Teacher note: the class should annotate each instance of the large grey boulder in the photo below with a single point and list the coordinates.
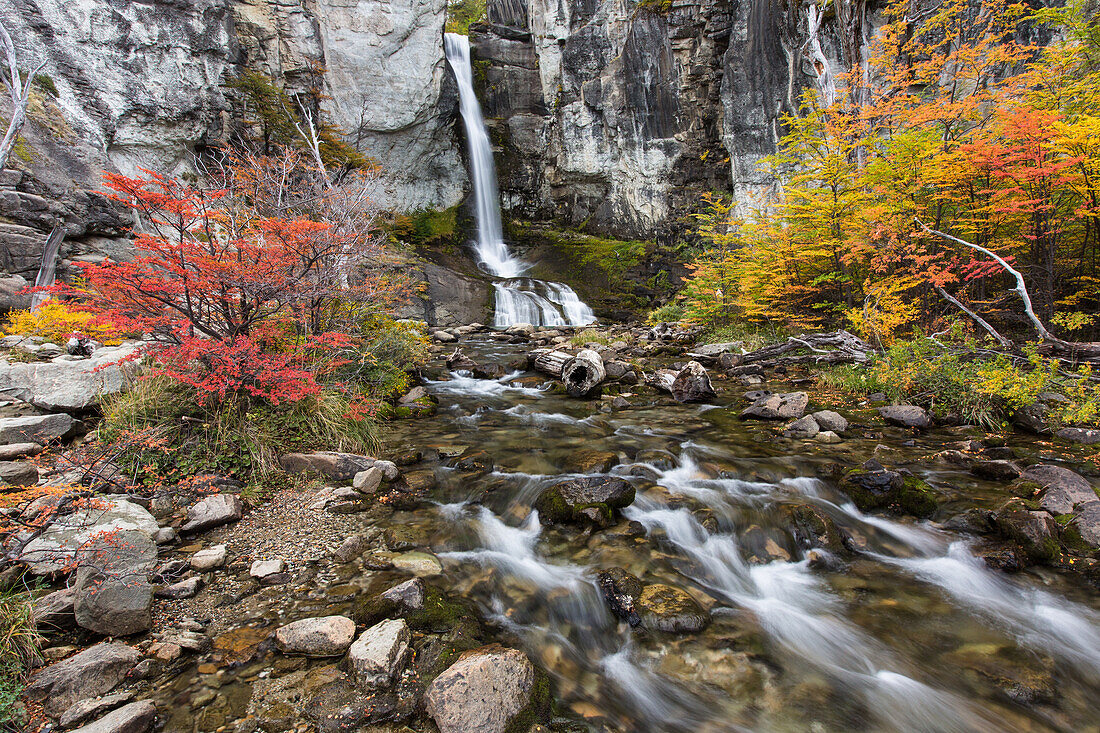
(90, 673)
(18, 473)
(67, 383)
(829, 420)
(93, 706)
(137, 717)
(113, 594)
(333, 465)
(1087, 523)
(35, 428)
(328, 636)
(1063, 490)
(380, 652)
(787, 406)
(906, 416)
(483, 692)
(692, 384)
(56, 548)
(213, 511)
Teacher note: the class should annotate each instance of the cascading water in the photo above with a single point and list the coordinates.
(518, 299)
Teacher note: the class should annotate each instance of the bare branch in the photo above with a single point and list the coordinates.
(980, 321)
(20, 96)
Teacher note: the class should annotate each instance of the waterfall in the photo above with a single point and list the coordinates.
(518, 299)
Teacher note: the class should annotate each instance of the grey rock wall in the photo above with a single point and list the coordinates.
(617, 118)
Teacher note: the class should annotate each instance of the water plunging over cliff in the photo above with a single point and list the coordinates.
(518, 299)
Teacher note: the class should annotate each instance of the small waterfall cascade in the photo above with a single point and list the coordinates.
(517, 299)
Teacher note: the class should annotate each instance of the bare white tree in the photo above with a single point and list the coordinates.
(20, 95)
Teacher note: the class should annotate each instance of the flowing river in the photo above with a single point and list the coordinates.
(914, 634)
(903, 629)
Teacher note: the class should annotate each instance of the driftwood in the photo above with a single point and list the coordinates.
(837, 347)
(583, 373)
(549, 361)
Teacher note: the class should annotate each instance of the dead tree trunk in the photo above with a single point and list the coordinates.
(583, 373)
(549, 361)
(20, 95)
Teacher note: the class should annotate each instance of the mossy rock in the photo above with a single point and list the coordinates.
(1033, 532)
(917, 498)
(815, 528)
(588, 500)
(872, 489)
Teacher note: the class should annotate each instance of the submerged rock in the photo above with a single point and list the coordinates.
(620, 591)
(485, 691)
(664, 608)
(588, 500)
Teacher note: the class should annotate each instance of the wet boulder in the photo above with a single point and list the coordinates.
(1033, 532)
(620, 591)
(475, 460)
(586, 500)
(813, 527)
(1086, 524)
(789, 406)
(873, 487)
(1084, 436)
(999, 470)
(487, 690)
(906, 416)
(379, 654)
(692, 384)
(804, 427)
(668, 609)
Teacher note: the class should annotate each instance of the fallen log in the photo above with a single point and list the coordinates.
(549, 361)
(583, 373)
(818, 344)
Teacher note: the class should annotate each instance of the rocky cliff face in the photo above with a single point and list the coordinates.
(615, 116)
(144, 83)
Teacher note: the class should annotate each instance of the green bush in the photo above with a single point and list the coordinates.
(668, 313)
(19, 648)
(461, 14)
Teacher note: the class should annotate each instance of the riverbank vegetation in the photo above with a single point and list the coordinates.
(946, 184)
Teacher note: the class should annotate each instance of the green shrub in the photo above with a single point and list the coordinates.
(668, 313)
(461, 14)
(19, 648)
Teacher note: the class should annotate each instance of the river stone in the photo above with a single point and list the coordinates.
(213, 511)
(367, 482)
(85, 709)
(828, 437)
(1087, 522)
(571, 500)
(620, 591)
(389, 469)
(55, 549)
(664, 608)
(336, 466)
(379, 654)
(209, 558)
(1062, 489)
(90, 673)
(803, 427)
(475, 460)
(1084, 436)
(408, 596)
(483, 692)
(829, 420)
(692, 384)
(351, 548)
(35, 428)
(137, 717)
(906, 416)
(113, 594)
(327, 636)
(261, 570)
(787, 406)
(716, 349)
(420, 564)
(186, 588)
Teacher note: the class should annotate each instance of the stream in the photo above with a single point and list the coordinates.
(908, 632)
(901, 638)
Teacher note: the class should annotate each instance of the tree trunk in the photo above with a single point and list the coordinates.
(583, 373)
(549, 361)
